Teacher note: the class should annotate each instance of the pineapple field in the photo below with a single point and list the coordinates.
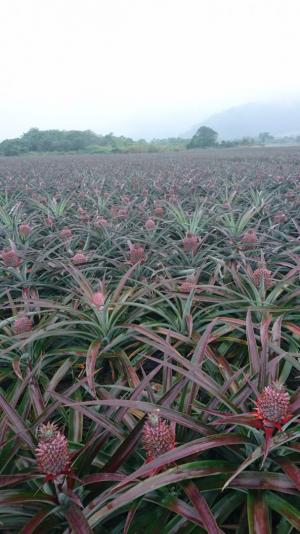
(150, 343)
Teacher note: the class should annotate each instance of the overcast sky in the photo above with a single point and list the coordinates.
(141, 67)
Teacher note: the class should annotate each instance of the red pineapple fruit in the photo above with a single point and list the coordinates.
(83, 214)
(262, 274)
(114, 210)
(22, 324)
(10, 258)
(98, 299)
(49, 221)
(250, 239)
(52, 453)
(123, 213)
(79, 258)
(66, 233)
(272, 410)
(159, 211)
(190, 242)
(24, 229)
(101, 221)
(272, 406)
(158, 436)
(136, 254)
(150, 224)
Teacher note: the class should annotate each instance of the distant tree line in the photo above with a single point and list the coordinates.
(206, 137)
(42, 141)
(73, 141)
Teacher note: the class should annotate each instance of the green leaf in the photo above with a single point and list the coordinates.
(284, 508)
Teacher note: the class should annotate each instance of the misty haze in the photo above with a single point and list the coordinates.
(149, 266)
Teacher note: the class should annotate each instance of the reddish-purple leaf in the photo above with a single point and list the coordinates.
(194, 374)
(16, 422)
(22, 498)
(122, 283)
(202, 508)
(132, 375)
(189, 324)
(138, 490)
(189, 449)
(295, 405)
(10, 480)
(197, 359)
(57, 377)
(258, 514)
(51, 408)
(138, 391)
(147, 407)
(292, 471)
(125, 450)
(130, 516)
(245, 419)
(199, 352)
(16, 367)
(36, 397)
(83, 458)
(256, 454)
(35, 522)
(76, 520)
(252, 346)
(127, 447)
(96, 478)
(262, 480)
(180, 507)
(99, 419)
(264, 338)
(295, 329)
(90, 365)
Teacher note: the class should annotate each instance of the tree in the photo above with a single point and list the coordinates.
(12, 147)
(265, 138)
(203, 138)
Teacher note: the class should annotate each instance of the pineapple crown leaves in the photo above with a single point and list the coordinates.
(48, 431)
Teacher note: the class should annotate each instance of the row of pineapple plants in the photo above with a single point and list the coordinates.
(150, 345)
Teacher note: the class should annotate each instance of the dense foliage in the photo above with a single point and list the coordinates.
(37, 141)
(40, 141)
(150, 335)
(205, 137)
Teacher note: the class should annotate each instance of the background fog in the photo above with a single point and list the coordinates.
(142, 68)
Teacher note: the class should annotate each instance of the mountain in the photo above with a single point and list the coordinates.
(279, 118)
